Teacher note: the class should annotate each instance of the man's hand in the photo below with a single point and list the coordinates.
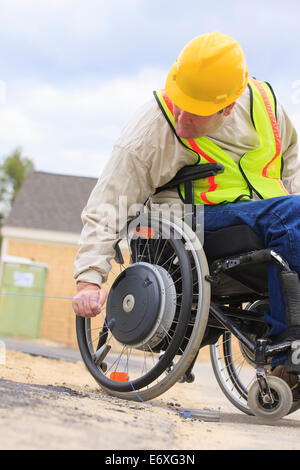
(88, 300)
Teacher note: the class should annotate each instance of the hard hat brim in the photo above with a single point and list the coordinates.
(191, 105)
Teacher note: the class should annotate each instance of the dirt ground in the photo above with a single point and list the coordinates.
(54, 404)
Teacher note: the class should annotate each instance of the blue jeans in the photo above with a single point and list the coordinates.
(277, 222)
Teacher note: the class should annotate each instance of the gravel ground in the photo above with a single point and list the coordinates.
(55, 404)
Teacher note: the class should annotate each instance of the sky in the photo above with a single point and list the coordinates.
(73, 72)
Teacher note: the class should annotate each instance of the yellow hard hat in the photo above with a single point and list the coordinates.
(209, 74)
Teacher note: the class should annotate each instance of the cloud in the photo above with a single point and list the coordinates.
(63, 40)
(53, 26)
(56, 125)
(18, 127)
(76, 71)
(72, 129)
(74, 158)
(118, 95)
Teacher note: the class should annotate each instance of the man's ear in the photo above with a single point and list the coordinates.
(229, 109)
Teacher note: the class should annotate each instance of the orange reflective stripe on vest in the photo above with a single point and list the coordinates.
(193, 145)
(275, 131)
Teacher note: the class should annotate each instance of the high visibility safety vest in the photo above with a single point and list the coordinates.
(257, 171)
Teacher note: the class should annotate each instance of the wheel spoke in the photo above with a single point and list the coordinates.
(144, 364)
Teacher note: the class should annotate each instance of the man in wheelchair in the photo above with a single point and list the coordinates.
(220, 141)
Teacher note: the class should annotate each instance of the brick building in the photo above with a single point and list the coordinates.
(44, 225)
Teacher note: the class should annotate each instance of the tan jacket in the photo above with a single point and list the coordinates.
(148, 155)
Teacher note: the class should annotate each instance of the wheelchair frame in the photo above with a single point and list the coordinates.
(262, 350)
(223, 317)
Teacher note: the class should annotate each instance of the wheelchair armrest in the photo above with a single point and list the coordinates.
(192, 173)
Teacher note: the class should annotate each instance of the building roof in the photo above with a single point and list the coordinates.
(48, 201)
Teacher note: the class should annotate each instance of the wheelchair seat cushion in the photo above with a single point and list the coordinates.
(231, 241)
(240, 280)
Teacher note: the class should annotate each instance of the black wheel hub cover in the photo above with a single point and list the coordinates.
(133, 304)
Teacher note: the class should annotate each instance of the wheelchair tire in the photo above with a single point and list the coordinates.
(226, 374)
(226, 370)
(282, 396)
(295, 406)
(179, 348)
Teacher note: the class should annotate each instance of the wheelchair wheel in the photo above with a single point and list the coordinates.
(155, 315)
(282, 400)
(233, 364)
(295, 407)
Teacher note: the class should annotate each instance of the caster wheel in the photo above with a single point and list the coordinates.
(181, 380)
(296, 403)
(281, 405)
(190, 378)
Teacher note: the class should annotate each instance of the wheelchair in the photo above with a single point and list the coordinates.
(171, 295)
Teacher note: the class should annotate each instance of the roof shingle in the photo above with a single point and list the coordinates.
(48, 201)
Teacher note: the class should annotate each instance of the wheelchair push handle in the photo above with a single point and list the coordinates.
(192, 173)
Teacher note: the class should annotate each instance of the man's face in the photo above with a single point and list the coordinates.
(192, 126)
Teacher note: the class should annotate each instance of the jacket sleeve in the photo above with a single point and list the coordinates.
(119, 193)
(290, 152)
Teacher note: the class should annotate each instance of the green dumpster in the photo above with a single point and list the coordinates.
(21, 301)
